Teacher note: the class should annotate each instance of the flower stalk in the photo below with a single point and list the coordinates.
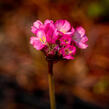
(51, 85)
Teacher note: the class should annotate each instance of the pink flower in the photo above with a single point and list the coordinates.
(38, 25)
(51, 33)
(80, 38)
(39, 42)
(45, 34)
(63, 26)
(68, 52)
(65, 40)
(36, 43)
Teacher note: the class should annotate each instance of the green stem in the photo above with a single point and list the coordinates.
(51, 85)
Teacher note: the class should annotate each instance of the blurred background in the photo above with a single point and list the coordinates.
(82, 83)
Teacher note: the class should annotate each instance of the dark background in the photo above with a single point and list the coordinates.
(82, 83)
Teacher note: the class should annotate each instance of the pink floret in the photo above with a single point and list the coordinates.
(36, 43)
(80, 38)
(63, 26)
(68, 52)
(51, 33)
(65, 40)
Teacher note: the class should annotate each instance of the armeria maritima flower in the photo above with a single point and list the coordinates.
(79, 37)
(58, 39)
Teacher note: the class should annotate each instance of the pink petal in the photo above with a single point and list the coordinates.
(82, 45)
(62, 25)
(33, 29)
(84, 39)
(68, 57)
(69, 33)
(40, 33)
(37, 24)
(80, 38)
(36, 43)
(48, 21)
(81, 31)
(51, 33)
(72, 30)
(73, 50)
(32, 40)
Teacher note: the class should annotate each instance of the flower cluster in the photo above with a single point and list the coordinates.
(58, 39)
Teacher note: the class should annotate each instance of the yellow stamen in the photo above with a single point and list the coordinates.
(43, 39)
(67, 51)
(66, 41)
(63, 31)
(70, 51)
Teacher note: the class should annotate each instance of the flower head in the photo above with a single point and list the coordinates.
(56, 39)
